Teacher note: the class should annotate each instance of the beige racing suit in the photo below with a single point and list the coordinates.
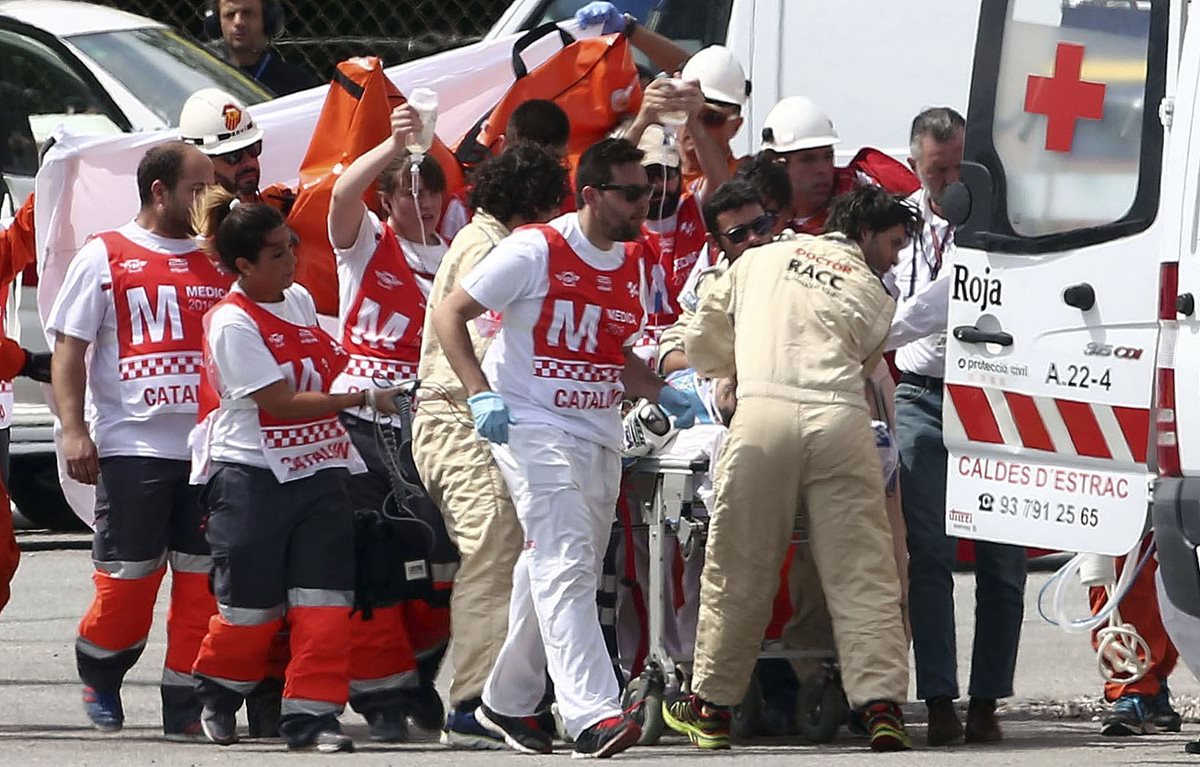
(798, 320)
(462, 479)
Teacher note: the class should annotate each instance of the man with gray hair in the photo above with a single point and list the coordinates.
(918, 335)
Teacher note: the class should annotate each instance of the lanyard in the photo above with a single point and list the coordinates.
(939, 246)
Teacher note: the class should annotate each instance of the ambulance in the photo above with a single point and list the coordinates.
(1072, 416)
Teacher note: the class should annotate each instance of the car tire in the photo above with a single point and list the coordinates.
(35, 489)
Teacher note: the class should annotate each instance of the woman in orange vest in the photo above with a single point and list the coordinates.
(275, 461)
(385, 271)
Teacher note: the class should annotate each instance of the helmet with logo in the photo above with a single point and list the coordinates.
(719, 74)
(795, 123)
(217, 123)
(647, 428)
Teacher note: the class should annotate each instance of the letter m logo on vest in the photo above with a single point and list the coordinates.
(308, 377)
(147, 320)
(576, 334)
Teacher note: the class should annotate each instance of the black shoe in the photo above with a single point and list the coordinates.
(387, 725)
(520, 733)
(425, 710)
(262, 709)
(982, 725)
(607, 737)
(326, 742)
(220, 727)
(944, 725)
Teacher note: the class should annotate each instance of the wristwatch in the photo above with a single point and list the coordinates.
(631, 23)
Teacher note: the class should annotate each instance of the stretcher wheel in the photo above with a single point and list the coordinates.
(644, 698)
(819, 709)
(746, 720)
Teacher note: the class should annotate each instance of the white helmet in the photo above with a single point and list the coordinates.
(796, 123)
(647, 428)
(217, 123)
(719, 74)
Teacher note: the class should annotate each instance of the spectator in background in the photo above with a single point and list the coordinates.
(241, 31)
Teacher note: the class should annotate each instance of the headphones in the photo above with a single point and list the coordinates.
(272, 11)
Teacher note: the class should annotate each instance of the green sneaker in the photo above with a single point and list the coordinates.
(885, 725)
(705, 725)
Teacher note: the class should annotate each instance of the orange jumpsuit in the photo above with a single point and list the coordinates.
(1140, 609)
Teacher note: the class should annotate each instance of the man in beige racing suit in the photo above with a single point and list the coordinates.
(801, 322)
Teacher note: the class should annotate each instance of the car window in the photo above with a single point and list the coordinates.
(162, 69)
(38, 90)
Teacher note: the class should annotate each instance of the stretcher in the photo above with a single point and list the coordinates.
(675, 508)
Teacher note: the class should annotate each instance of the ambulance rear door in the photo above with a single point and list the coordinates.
(1051, 342)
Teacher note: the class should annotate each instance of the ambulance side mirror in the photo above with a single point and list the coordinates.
(956, 203)
(967, 203)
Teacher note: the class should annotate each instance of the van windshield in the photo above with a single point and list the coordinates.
(692, 24)
(1064, 115)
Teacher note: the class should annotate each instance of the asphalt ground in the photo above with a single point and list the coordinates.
(1053, 719)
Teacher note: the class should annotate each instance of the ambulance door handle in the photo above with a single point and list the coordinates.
(1081, 296)
(1185, 304)
(969, 334)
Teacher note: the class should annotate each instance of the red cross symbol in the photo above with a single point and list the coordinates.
(1064, 98)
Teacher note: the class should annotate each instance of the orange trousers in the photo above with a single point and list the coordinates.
(1140, 609)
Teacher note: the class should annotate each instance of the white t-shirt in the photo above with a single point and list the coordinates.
(352, 263)
(245, 366)
(84, 309)
(513, 280)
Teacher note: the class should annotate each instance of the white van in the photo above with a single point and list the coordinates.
(871, 65)
(1073, 353)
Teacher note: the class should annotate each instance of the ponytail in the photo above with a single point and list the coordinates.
(231, 229)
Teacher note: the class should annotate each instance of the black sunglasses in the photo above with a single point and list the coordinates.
(740, 233)
(632, 192)
(234, 157)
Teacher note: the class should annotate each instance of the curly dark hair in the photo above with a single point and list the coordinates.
(770, 177)
(870, 209)
(525, 180)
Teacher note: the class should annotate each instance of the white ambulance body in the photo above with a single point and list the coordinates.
(1073, 352)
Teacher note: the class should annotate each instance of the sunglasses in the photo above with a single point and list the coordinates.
(760, 226)
(234, 157)
(631, 192)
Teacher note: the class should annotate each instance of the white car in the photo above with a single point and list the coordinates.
(99, 70)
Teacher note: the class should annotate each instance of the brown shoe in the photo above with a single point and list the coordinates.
(982, 726)
(944, 726)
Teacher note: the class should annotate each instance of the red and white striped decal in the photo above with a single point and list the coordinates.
(1049, 424)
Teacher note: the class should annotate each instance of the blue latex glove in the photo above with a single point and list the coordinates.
(491, 416)
(601, 12)
(679, 405)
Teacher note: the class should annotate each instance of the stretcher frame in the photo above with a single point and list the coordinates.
(668, 511)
